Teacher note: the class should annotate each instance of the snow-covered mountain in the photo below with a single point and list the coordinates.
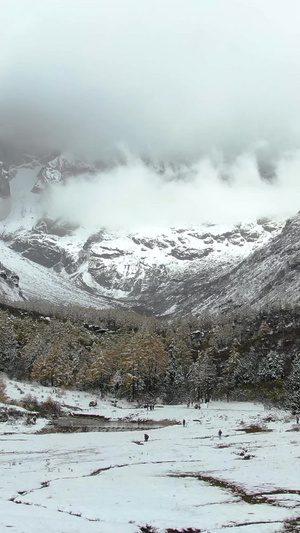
(177, 271)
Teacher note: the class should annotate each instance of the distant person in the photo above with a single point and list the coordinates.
(146, 437)
(220, 433)
(183, 423)
(297, 419)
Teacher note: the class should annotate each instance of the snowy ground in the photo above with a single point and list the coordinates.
(183, 477)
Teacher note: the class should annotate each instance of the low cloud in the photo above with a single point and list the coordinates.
(135, 197)
(208, 85)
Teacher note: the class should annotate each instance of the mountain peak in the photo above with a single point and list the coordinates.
(58, 170)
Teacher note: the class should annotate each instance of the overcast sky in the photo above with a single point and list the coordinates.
(166, 79)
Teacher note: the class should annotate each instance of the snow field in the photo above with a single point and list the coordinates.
(112, 482)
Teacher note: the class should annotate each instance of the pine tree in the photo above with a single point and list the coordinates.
(174, 380)
(9, 346)
(143, 364)
(271, 367)
(54, 369)
(97, 373)
(293, 386)
(230, 370)
(203, 377)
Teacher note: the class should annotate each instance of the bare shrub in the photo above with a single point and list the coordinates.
(3, 397)
(46, 408)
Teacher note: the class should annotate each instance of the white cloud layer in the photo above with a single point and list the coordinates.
(134, 196)
(171, 79)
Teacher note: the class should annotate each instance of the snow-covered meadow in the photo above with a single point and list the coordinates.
(182, 477)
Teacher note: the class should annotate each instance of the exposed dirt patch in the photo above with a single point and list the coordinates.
(290, 526)
(251, 498)
(255, 429)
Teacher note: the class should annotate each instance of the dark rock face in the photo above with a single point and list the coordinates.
(9, 285)
(6, 175)
(53, 227)
(180, 272)
(45, 251)
(190, 254)
(267, 277)
(58, 170)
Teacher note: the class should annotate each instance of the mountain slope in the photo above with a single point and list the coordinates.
(160, 274)
(175, 271)
(268, 276)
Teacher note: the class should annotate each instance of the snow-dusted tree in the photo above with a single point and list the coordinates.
(9, 346)
(264, 329)
(95, 373)
(246, 372)
(143, 364)
(117, 383)
(37, 345)
(271, 367)
(203, 377)
(174, 380)
(230, 370)
(179, 335)
(55, 368)
(293, 386)
(226, 330)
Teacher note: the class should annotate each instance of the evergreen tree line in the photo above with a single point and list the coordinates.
(254, 356)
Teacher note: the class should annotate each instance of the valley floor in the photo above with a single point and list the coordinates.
(247, 480)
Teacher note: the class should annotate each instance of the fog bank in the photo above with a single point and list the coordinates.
(170, 80)
(135, 197)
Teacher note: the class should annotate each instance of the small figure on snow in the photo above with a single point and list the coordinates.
(146, 437)
(220, 433)
(297, 419)
(183, 423)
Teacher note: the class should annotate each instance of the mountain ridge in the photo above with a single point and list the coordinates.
(174, 271)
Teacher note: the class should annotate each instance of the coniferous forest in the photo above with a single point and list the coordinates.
(240, 356)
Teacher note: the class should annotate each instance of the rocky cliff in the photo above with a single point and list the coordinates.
(178, 271)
